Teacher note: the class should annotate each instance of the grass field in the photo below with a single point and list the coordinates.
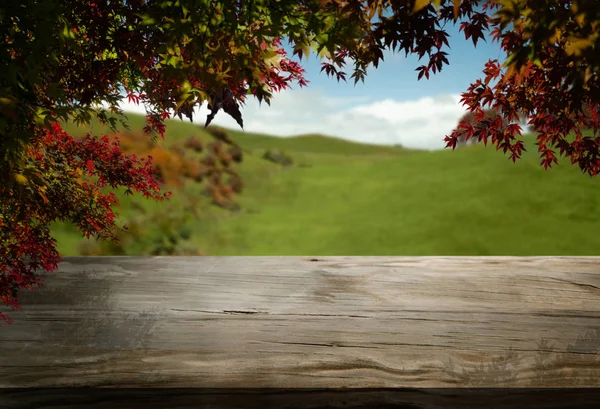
(342, 198)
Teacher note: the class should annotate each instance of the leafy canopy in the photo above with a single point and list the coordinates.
(73, 61)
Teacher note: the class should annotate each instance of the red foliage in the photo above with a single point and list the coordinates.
(542, 91)
(72, 175)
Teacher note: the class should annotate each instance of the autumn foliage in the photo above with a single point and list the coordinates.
(478, 121)
(62, 177)
(74, 61)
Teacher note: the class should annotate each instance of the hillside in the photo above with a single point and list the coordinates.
(343, 198)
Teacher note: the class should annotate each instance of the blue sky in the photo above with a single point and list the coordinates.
(390, 108)
(396, 77)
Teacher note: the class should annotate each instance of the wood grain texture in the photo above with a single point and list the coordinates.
(291, 322)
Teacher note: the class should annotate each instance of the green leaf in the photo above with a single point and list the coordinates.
(147, 20)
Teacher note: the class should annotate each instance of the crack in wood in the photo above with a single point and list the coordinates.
(576, 284)
(247, 312)
(332, 345)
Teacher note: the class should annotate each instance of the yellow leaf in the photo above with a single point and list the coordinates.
(272, 58)
(577, 46)
(22, 180)
(8, 100)
(510, 69)
(588, 75)
(556, 37)
(304, 48)
(420, 4)
(574, 7)
(324, 53)
(202, 96)
(182, 100)
(372, 12)
(186, 86)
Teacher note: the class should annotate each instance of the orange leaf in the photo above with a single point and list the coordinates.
(456, 7)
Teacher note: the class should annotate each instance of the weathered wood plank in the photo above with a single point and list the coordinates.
(290, 322)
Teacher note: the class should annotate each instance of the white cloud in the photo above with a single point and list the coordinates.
(421, 123)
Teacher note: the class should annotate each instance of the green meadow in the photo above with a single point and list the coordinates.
(343, 198)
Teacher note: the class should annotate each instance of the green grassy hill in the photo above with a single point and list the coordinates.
(343, 198)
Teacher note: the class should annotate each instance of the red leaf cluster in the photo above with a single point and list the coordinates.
(538, 84)
(73, 176)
